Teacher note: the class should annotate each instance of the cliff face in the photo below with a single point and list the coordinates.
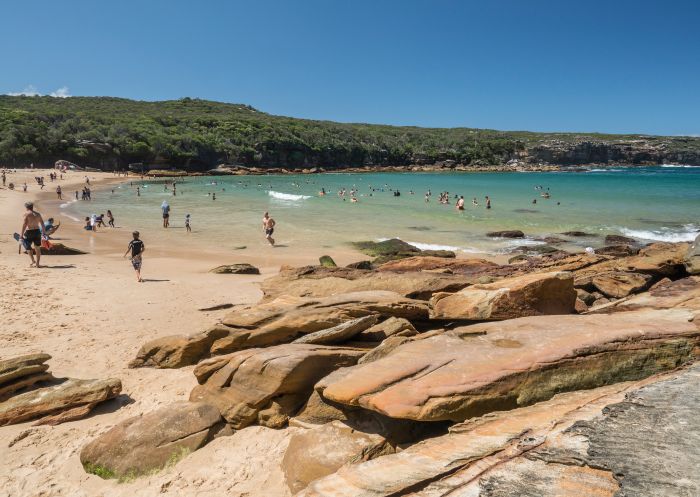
(636, 152)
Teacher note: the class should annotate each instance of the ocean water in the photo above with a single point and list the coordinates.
(652, 204)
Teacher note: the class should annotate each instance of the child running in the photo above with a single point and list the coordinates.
(137, 248)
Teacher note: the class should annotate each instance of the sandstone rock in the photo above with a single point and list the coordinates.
(235, 269)
(150, 442)
(506, 234)
(317, 281)
(327, 261)
(366, 265)
(619, 240)
(657, 423)
(586, 297)
(469, 267)
(620, 284)
(692, 257)
(250, 380)
(495, 366)
(69, 400)
(339, 333)
(618, 250)
(396, 249)
(679, 294)
(600, 302)
(281, 320)
(385, 329)
(659, 260)
(529, 295)
(176, 351)
(14, 369)
(316, 453)
(467, 451)
(580, 306)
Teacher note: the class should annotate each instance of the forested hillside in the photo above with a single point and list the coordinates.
(194, 134)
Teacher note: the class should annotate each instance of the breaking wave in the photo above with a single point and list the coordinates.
(287, 196)
(685, 234)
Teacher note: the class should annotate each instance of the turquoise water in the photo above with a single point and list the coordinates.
(651, 203)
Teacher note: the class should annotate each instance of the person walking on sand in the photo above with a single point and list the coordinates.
(137, 248)
(59, 192)
(32, 227)
(187, 224)
(165, 207)
(269, 227)
(110, 218)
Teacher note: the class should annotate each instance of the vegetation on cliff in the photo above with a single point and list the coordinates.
(197, 134)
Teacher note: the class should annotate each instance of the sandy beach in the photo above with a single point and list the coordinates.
(91, 316)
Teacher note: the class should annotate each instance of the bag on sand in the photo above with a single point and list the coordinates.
(45, 244)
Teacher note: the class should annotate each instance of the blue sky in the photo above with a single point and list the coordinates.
(608, 66)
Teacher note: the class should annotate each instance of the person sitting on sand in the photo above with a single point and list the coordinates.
(32, 227)
(269, 227)
(50, 228)
(88, 225)
(137, 248)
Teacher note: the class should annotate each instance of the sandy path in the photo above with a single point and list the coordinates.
(89, 313)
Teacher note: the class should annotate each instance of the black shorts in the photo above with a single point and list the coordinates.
(166, 216)
(33, 236)
(269, 231)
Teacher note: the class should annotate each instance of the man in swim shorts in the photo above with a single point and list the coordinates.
(137, 248)
(32, 227)
(269, 227)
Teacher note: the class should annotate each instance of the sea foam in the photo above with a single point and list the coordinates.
(686, 234)
(287, 196)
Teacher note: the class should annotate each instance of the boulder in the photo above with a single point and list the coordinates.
(529, 295)
(149, 442)
(176, 351)
(692, 257)
(69, 400)
(249, 381)
(619, 240)
(618, 250)
(577, 234)
(390, 327)
(321, 451)
(506, 234)
(235, 269)
(340, 333)
(318, 281)
(327, 261)
(659, 260)
(495, 366)
(21, 372)
(388, 250)
(620, 284)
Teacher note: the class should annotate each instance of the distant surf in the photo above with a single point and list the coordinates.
(686, 234)
(287, 196)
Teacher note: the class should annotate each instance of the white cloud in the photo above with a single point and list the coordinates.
(32, 91)
(29, 91)
(62, 92)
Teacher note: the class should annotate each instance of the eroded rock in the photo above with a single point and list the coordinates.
(146, 443)
(235, 269)
(494, 366)
(529, 295)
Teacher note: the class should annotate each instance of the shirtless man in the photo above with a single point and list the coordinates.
(269, 227)
(32, 227)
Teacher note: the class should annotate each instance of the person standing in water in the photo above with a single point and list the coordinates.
(488, 202)
(59, 193)
(187, 224)
(165, 207)
(110, 218)
(269, 227)
(137, 248)
(460, 204)
(32, 227)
